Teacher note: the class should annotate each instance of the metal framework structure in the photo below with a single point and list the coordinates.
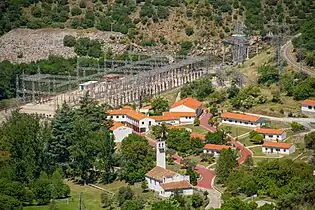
(239, 43)
(151, 76)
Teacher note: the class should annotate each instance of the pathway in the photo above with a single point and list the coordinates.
(204, 122)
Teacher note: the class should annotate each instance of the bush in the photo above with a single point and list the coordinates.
(76, 11)
(69, 41)
(196, 121)
(296, 127)
(189, 31)
(146, 43)
(36, 12)
(82, 4)
(124, 194)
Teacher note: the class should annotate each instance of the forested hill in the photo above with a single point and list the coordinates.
(151, 22)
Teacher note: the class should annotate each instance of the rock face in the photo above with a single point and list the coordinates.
(26, 45)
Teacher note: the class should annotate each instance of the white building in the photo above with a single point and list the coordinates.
(272, 134)
(308, 105)
(120, 131)
(215, 149)
(270, 147)
(87, 85)
(136, 120)
(241, 119)
(187, 105)
(164, 181)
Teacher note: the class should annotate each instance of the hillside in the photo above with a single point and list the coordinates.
(161, 24)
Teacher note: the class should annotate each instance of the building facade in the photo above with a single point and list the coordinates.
(215, 149)
(187, 105)
(308, 105)
(246, 120)
(278, 148)
(272, 134)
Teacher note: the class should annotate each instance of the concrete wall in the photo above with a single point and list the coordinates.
(173, 122)
(121, 133)
(154, 184)
(146, 123)
(275, 137)
(186, 120)
(269, 150)
(241, 123)
(168, 193)
(305, 108)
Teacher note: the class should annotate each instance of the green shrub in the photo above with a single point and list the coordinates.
(76, 11)
(189, 31)
(69, 41)
(150, 42)
(82, 4)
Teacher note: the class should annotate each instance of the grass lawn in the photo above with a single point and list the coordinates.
(257, 151)
(175, 167)
(279, 124)
(258, 160)
(171, 95)
(92, 199)
(246, 141)
(237, 130)
(197, 159)
(196, 129)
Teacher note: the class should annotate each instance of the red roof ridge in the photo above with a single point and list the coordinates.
(197, 135)
(216, 147)
(270, 131)
(184, 184)
(277, 144)
(158, 173)
(238, 116)
(189, 102)
(310, 102)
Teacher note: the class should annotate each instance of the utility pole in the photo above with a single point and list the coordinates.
(81, 202)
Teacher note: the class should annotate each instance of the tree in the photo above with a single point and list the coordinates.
(69, 41)
(82, 3)
(76, 11)
(124, 194)
(159, 105)
(134, 204)
(81, 47)
(8, 202)
(157, 131)
(258, 139)
(179, 140)
(42, 189)
(169, 204)
(218, 137)
(232, 91)
(196, 201)
(193, 175)
(106, 200)
(296, 127)
(226, 162)
(207, 157)
(189, 31)
(196, 121)
(58, 188)
(237, 203)
(144, 186)
(105, 157)
(136, 158)
(309, 140)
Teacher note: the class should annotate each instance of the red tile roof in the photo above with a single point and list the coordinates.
(236, 116)
(158, 173)
(189, 102)
(197, 135)
(308, 102)
(164, 118)
(277, 145)
(130, 113)
(116, 125)
(216, 147)
(270, 131)
(179, 114)
(127, 107)
(176, 185)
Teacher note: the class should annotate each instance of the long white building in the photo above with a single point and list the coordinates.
(272, 134)
(246, 120)
(278, 148)
(308, 105)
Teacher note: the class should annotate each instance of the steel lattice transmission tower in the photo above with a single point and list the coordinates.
(239, 43)
(81, 202)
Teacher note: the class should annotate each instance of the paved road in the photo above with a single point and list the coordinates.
(286, 50)
(204, 122)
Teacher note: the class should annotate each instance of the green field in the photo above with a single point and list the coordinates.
(257, 151)
(246, 141)
(197, 160)
(196, 129)
(236, 130)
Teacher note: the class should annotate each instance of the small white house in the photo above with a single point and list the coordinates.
(214, 149)
(272, 134)
(308, 105)
(246, 120)
(270, 147)
(120, 131)
(187, 105)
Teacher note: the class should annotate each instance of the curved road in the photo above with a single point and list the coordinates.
(286, 50)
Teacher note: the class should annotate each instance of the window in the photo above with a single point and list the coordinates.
(117, 116)
(266, 149)
(246, 123)
(270, 136)
(149, 122)
(186, 117)
(235, 121)
(252, 123)
(189, 117)
(123, 116)
(142, 123)
(230, 120)
(277, 149)
(284, 150)
(277, 136)
(309, 107)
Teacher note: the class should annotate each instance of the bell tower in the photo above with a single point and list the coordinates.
(160, 149)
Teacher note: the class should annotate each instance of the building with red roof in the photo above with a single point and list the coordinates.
(272, 134)
(120, 131)
(215, 149)
(270, 147)
(233, 118)
(308, 105)
(187, 105)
